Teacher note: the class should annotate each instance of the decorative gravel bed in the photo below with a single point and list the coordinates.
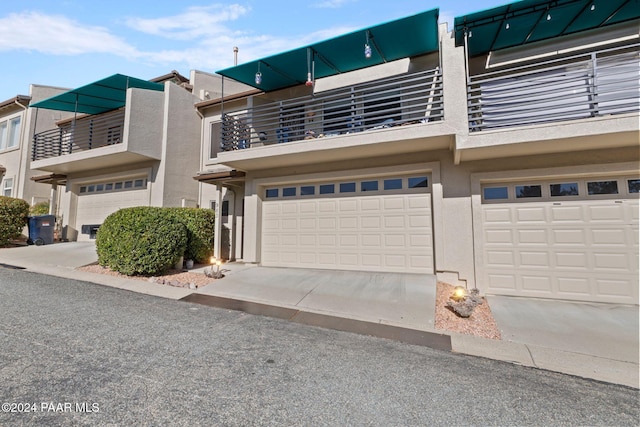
(481, 323)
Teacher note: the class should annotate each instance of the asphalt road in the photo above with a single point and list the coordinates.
(74, 353)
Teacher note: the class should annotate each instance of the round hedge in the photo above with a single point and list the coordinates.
(200, 225)
(140, 241)
(13, 218)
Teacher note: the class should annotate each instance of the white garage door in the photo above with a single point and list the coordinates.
(369, 224)
(99, 200)
(575, 240)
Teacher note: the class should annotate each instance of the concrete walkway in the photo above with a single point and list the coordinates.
(598, 341)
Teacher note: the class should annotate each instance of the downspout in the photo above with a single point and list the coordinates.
(22, 152)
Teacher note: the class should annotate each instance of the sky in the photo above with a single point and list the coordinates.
(71, 43)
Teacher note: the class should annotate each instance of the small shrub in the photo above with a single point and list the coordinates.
(13, 218)
(41, 208)
(200, 225)
(140, 241)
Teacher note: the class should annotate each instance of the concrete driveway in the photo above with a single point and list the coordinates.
(389, 298)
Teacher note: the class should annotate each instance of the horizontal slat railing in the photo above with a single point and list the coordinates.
(581, 86)
(84, 133)
(400, 100)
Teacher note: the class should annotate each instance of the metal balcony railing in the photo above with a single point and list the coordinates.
(590, 85)
(84, 133)
(400, 100)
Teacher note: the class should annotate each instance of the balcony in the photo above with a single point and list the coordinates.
(85, 133)
(594, 84)
(407, 99)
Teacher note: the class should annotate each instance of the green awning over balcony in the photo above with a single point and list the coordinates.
(98, 97)
(402, 38)
(530, 21)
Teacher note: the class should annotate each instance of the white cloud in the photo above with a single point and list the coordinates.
(58, 35)
(332, 4)
(195, 22)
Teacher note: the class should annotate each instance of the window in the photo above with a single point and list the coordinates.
(289, 192)
(138, 183)
(7, 188)
(128, 184)
(348, 187)
(369, 186)
(307, 190)
(14, 132)
(393, 184)
(83, 189)
(3, 135)
(602, 187)
(327, 189)
(418, 182)
(634, 185)
(118, 186)
(496, 193)
(564, 189)
(272, 193)
(100, 187)
(91, 189)
(225, 208)
(525, 191)
(107, 187)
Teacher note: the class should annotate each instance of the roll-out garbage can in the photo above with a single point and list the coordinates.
(41, 229)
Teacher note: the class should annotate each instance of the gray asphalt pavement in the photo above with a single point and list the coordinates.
(75, 353)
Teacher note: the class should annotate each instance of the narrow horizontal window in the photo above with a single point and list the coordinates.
(602, 187)
(525, 191)
(327, 189)
(91, 189)
(83, 189)
(138, 183)
(348, 187)
(128, 184)
(495, 193)
(272, 193)
(564, 189)
(393, 184)
(418, 182)
(108, 187)
(369, 186)
(307, 190)
(100, 187)
(289, 192)
(634, 185)
(118, 186)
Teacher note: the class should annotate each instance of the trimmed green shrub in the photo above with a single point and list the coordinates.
(13, 218)
(141, 241)
(40, 208)
(200, 225)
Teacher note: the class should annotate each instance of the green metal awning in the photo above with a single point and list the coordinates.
(98, 97)
(402, 38)
(530, 21)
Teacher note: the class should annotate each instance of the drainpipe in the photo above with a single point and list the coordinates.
(22, 152)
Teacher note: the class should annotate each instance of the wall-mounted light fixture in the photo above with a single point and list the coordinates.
(310, 67)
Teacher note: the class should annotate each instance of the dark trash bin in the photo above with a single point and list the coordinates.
(41, 229)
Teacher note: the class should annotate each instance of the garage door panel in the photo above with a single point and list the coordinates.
(373, 232)
(583, 250)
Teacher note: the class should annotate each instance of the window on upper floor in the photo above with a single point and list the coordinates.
(14, 132)
(10, 133)
(7, 187)
(216, 137)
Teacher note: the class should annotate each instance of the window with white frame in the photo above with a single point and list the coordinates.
(7, 187)
(3, 135)
(14, 132)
